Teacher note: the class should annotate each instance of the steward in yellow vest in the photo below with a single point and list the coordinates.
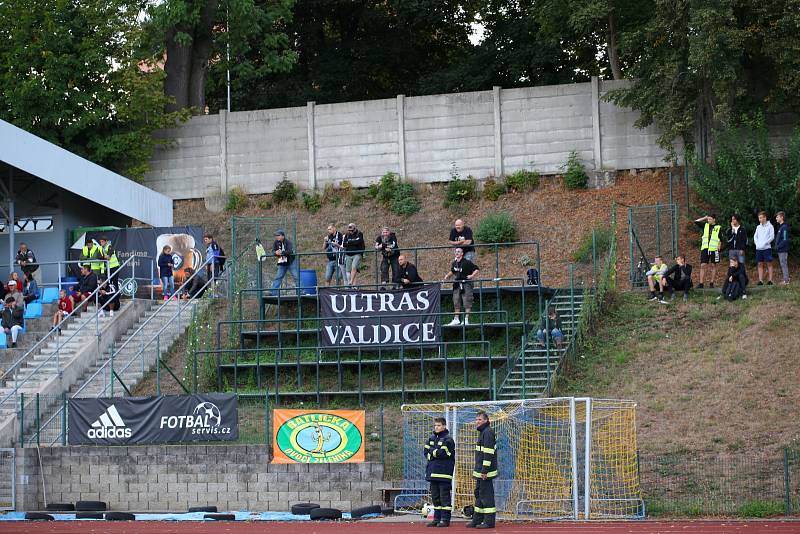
(91, 255)
(108, 253)
(709, 248)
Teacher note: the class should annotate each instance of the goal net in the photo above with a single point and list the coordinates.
(563, 458)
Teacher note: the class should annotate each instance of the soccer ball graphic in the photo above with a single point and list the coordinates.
(210, 413)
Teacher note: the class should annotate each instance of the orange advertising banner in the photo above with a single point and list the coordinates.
(318, 436)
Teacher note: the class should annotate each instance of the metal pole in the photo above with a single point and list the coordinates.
(383, 434)
(228, 58)
(38, 421)
(64, 418)
(587, 455)
(786, 483)
(494, 384)
(594, 257)
(574, 447)
(21, 419)
(630, 243)
(10, 223)
(158, 365)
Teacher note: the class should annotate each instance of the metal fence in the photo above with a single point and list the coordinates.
(652, 231)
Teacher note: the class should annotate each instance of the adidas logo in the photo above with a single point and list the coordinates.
(109, 426)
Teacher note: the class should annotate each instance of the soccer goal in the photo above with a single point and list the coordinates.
(561, 458)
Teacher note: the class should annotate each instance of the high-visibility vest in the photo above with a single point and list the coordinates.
(654, 268)
(112, 261)
(89, 254)
(711, 238)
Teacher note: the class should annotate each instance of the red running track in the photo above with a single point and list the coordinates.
(371, 527)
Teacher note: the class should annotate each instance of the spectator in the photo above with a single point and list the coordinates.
(679, 277)
(782, 245)
(354, 252)
(90, 254)
(763, 238)
(461, 236)
(30, 290)
(554, 324)
(87, 285)
(386, 244)
(407, 275)
(334, 246)
(735, 281)
(165, 265)
(109, 254)
(108, 298)
(709, 248)
(14, 290)
(13, 320)
(655, 279)
(13, 277)
(64, 308)
(463, 271)
(737, 238)
(286, 261)
(26, 259)
(194, 285)
(213, 253)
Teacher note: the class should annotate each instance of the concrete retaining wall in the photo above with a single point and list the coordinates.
(175, 477)
(423, 138)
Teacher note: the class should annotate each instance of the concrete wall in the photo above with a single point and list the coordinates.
(175, 477)
(423, 138)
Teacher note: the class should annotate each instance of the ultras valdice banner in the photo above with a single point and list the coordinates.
(356, 317)
(318, 436)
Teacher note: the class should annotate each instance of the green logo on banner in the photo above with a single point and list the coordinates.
(319, 438)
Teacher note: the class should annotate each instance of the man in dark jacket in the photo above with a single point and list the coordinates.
(26, 259)
(407, 276)
(286, 261)
(386, 245)
(484, 472)
(440, 451)
(782, 245)
(13, 320)
(679, 277)
(87, 285)
(353, 252)
(735, 281)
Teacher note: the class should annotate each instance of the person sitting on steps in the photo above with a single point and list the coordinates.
(554, 324)
(655, 280)
(13, 320)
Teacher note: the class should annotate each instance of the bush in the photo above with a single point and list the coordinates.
(237, 200)
(404, 202)
(498, 227)
(574, 172)
(385, 190)
(748, 174)
(761, 509)
(394, 194)
(356, 198)
(522, 181)
(602, 237)
(312, 202)
(459, 191)
(493, 190)
(285, 192)
(265, 204)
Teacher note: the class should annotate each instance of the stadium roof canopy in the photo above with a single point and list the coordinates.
(42, 159)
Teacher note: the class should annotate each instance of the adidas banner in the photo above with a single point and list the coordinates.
(383, 317)
(164, 419)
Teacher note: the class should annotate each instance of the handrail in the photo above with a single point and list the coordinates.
(61, 271)
(59, 343)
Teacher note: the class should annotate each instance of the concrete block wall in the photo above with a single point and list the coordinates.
(175, 477)
(483, 133)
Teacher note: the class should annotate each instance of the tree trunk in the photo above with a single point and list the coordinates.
(613, 45)
(178, 69)
(201, 52)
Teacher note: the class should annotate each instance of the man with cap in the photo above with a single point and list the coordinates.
(286, 261)
(353, 252)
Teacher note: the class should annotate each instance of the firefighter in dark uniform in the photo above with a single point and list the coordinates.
(440, 451)
(484, 472)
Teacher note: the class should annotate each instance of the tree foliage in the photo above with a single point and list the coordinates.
(70, 73)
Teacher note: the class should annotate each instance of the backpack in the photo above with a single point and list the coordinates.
(221, 258)
(533, 277)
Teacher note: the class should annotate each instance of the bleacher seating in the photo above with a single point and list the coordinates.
(49, 295)
(33, 310)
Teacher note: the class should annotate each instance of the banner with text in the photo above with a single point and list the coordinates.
(165, 419)
(352, 317)
(318, 436)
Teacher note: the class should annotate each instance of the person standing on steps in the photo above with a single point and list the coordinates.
(461, 236)
(334, 269)
(286, 261)
(463, 271)
(386, 245)
(484, 473)
(709, 248)
(763, 238)
(354, 252)
(440, 452)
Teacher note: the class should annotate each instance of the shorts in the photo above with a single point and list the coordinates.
(764, 256)
(707, 256)
(462, 292)
(738, 254)
(352, 262)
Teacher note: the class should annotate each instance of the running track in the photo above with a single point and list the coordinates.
(367, 527)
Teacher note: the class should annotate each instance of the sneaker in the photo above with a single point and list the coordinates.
(59, 331)
(686, 297)
(744, 296)
(711, 285)
(770, 283)
(466, 320)
(454, 322)
(719, 297)
(13, 345)
(111, 313)
(785, 283)
(443, 524)
(101, 314)
(166, 297)
(672, 296)
(433, 524)
(700, 286)
(653, 298)
(662, 301)
(760, 283)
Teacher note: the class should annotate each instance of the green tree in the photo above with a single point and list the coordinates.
(69, 73)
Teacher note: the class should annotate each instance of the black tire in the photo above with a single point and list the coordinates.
(365, 510)
(89, 515)
(38, 516)
(119, 516)
(207, 509)
(220, 517)
(60, 507)
(325, 513)
(387, 511)
(303, 508)
(91, 506)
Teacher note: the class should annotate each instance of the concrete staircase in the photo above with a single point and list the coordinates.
(536, 365)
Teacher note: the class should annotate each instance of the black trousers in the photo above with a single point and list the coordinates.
(385, 263)
(679, 285)
(442, 504)
(484, 502)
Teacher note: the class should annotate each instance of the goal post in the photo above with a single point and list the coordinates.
(560, 458)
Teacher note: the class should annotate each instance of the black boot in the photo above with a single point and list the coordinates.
(488, 521)
(443, 524)
(433, 523)
(477, 519)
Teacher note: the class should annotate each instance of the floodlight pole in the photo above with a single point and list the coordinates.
(228, 56)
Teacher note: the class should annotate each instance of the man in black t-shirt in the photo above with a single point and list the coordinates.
(463, 271)
(386, 245)
(407, 276)
(461, 236)
(353, 252)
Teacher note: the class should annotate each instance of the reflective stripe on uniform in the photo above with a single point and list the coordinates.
(485, 450)
(490, 474)
(487, 463)
(427, 446)
(446, 450)
(441, 475)
(485, 510)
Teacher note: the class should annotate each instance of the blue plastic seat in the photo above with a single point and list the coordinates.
(49, 295)
(2, 340)
(33, 310)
